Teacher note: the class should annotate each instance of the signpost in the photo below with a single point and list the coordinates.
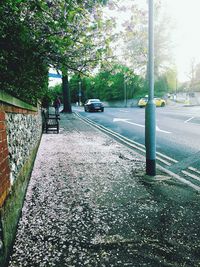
(150, 111)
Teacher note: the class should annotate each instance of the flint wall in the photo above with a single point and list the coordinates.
(20, 133)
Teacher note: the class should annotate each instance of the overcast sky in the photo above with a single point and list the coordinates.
(186, 16)
(186, 36)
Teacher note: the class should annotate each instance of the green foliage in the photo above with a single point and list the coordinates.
(55, 91)
(51, 94)
(70, 36)
(166, 83)
(40, 34)
(75, 87)
(171, 79)
(161, 86)
(23, 72)
(108, 85)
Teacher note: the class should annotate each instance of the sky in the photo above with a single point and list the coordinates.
(185, 37)
(186, 14)
(54, 81)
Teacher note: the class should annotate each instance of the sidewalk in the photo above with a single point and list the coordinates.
(90, 204)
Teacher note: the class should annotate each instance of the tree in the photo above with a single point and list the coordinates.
(81, 47)
(193, 75)
(134, 38)
(108, 84)
(23, 72)
(57, 33)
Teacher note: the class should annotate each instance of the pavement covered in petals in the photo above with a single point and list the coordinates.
(89, 203)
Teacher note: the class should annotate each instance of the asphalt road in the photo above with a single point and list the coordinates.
(177, 128)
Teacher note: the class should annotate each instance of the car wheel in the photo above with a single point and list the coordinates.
(163, 104)
(102, 110)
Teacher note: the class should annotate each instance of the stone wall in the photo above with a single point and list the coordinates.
(20, 133)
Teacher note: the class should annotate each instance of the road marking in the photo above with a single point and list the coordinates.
(139, 146)
(77, 108)
(127, 121)
(191, 175)
(194, 170)
(195, 187)
(159, 130)
(189, 120)
(140, 125)
(126, 111)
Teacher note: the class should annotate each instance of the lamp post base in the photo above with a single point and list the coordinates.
(151, 167)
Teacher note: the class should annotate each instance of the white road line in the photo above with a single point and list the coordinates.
(195, 187)
(189, 120)
(194, 170)
(136, 124)
(166, 157)
(140, 125)
(159, 130)
(126, 111)
(191, 175)
(130, 142)
(163, 161)
(127, 121)
(139, 146)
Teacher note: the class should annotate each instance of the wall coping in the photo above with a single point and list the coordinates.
(11, 100)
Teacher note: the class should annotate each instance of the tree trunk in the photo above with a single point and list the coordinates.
(66, 95)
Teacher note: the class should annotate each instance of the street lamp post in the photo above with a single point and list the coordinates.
(125, 92)
(79, 94)
(150, 111)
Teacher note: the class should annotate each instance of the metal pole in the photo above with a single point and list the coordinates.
(150, 111)
(125, 92)
(79, 94)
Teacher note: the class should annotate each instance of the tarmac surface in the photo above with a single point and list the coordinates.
(89, 203)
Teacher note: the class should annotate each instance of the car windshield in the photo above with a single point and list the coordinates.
(94, 100)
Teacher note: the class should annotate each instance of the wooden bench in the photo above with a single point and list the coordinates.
(50, 122)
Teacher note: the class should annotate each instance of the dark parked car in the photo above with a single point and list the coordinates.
(93, 105)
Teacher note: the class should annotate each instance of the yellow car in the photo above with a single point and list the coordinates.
(159, 102)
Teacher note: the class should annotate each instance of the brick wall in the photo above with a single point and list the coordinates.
(4, 161)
